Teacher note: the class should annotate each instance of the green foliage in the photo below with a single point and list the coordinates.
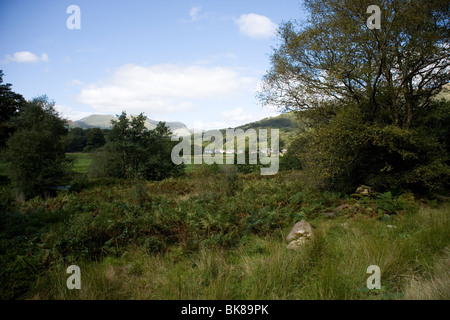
(95, 139)
(36, 151)
(292, 160)
(136, 152)
(370, 121)
(348, 151)
(106, 221)
(386, 203)
(76, 140)
(10, 103)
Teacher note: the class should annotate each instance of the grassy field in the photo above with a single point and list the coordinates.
(413, 263)
(81, 162)
(221, 235)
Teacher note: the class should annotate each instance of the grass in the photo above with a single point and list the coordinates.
(82, 162)
(332, 266)
(208, 236)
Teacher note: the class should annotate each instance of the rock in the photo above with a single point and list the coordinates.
(343, 206)
(295, 244)
(391, 226)
(364, 190)
(300, 233)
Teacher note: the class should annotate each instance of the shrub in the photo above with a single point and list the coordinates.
(36, 151)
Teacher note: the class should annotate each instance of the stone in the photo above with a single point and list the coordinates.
(364, 190)
(300, 233)
(343, 206)
(295, 244)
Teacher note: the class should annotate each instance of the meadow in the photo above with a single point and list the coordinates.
(219, 234)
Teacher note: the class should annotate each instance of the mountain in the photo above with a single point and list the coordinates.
(103, 121)
(287, 124)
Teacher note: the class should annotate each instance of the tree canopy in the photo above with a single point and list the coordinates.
(391, 73)
(134, 151)
(10, 103)
(36, 150)
(368, 95)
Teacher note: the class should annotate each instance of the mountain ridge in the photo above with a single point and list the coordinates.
(103, 121)
(286, 122)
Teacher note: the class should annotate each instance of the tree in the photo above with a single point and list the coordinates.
(10, 103)
(366, 92)
(390, 73)
(95, 139)
(36, 151)
(77, 140)
(136, 152)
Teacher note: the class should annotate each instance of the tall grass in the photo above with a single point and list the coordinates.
(413, 258)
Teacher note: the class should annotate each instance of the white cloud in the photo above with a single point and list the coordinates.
(71, 114)
(256, 26)
(163, 88)
(196, 14)
(26, 57)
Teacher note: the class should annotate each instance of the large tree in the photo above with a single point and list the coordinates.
(134, 151)
(390, 73)
(10, 103)
(368, 94)
(36, 150)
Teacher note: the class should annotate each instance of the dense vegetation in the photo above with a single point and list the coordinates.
(149, 240)
(366, 110)
(368, 96)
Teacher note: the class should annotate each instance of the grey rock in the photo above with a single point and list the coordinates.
(300, 233)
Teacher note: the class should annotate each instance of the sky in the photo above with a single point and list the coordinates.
(196, 62)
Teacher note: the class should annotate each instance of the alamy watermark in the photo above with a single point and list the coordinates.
(374, 281)
(74, 20)
(374, 21)
(74, 281)
(238, 143)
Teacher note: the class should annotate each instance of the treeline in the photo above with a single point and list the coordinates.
(369, 97)
(86, 140)
(34, 140)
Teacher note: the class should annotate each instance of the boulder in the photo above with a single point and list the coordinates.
(300, 233)
(343, 206)
(364, 190)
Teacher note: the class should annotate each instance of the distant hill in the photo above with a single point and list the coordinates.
(103, 121)
(286, 123)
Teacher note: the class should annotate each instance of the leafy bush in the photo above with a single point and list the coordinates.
(136, 152)
(36, 151)
(347, 151)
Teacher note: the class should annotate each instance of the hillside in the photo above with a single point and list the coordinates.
(104, 122)
(286, 123)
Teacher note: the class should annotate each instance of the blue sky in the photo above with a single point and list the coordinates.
(198, 62)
